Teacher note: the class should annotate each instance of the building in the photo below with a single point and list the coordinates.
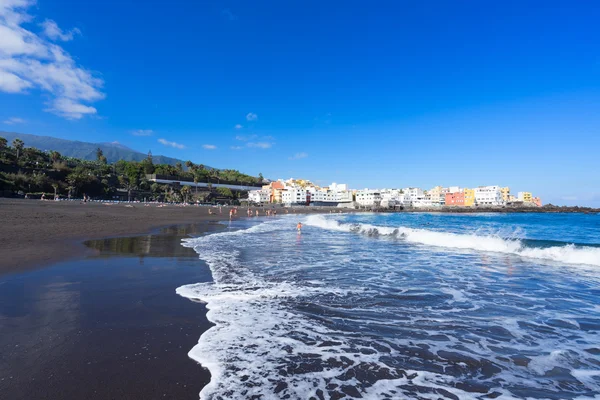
(435, 195)
(537, 201)
(423, 202)
(411, 195)
(488, 196)
(456, 199)
(368, 198)
(525, 197)
(275, 189)
(391, 198)
(259, 196)
(295, 196)
(505, 194)
(469, 197)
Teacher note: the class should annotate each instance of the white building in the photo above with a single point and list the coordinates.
(423, 202)
(368, 198)
(259, 196)
(488, 196)
(411, 195)
(291, 196)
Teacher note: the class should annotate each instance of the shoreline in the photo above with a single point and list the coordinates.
(35, 233)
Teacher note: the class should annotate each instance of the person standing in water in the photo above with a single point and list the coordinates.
(299, 227)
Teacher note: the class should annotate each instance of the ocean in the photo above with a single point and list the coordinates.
(402, 306)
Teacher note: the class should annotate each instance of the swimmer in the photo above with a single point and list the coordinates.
(299, 227)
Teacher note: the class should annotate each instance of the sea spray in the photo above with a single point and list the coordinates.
(362, 306)
(568, 253)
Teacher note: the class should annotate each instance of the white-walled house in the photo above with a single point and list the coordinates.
(291, 196)
(259, 196)
(411, 195)
(368, 198)
(489, 196)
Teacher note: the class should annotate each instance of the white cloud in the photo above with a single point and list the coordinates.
(260, 145)
(14, 121)
(236, 147)
(142, 132)
(209, 146)
(53, 32)
(245, 138)
(238, 126)
(299, 156)
(10, 83)
(171, 144)
(29, 61)
(251, 117)
(70, 109)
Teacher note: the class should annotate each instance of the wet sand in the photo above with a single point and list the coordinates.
(34, 233)
(108, 326)
(88, 308)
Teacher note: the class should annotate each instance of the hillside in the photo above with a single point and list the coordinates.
(85, 150)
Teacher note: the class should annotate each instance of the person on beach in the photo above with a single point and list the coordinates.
(299, 227)
(230, 214)
(257, 213)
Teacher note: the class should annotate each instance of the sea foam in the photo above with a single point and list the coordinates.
(569, 253)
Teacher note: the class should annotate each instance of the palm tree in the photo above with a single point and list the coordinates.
(185, 192)
(3, 143)
(18, 145)
(55, 186)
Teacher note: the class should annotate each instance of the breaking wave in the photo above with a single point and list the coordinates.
(568, 253)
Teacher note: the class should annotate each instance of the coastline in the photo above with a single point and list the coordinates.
(35, 233)
(101, 311)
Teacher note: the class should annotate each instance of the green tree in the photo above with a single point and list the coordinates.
(3, 143)
(54, 156)
(225, 192)
(78, 179)
(100, 156)
(179, 168)
(18, 145)
(185, 192)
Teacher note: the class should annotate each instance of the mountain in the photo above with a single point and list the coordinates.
(72, 148)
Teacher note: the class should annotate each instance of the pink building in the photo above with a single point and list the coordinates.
(537, 201)
(455, 199)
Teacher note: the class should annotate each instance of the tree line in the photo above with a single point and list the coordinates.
(27, 171)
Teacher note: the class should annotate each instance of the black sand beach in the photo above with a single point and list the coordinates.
(106, 326)
(99, 318)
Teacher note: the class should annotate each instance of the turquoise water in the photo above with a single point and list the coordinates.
(421, 306)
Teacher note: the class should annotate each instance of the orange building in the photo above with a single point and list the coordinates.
(276, 188)
(455, 199)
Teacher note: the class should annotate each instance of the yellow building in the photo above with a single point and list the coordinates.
(525, 197)
(469, 197)
(505, 193)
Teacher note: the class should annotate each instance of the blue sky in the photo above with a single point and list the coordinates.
(374, 94)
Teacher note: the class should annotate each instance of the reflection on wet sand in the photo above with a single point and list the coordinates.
(159, 244)
(105, 326)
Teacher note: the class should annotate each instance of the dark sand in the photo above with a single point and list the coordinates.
(35, 233)
(108, 326)
(104, 322)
